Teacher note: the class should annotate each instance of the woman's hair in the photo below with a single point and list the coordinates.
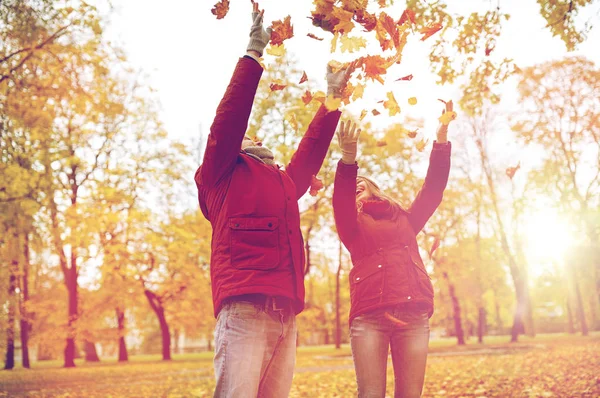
(378, 193)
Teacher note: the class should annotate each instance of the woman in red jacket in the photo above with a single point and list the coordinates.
(390, 291)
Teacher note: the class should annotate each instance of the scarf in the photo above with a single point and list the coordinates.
(260, 153)
(379, 209)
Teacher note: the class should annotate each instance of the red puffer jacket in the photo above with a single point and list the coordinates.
(256, 244)
(387, 267)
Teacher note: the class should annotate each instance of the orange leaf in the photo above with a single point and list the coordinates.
(407, 15)
(277, 85)
(436, 244)
(430, 30)
(220, 9)
(368, 21)
(374, 66)
(381, 143)
(391, 104)
(345, 24)
(413, 133)
(303, 78)
(307, 97)
(314, 37)
(510, 172)
(375, 112)
(395, 320)
(281, 31)
(488, 50)
(381, 3)
(407, 78)
(315, 185)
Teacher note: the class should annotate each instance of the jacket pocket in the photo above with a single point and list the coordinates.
(422, 277)
(254, 242)
(366, 283)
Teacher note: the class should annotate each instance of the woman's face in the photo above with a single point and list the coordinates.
(363, 193)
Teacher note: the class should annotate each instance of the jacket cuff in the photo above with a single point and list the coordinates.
(347, 170)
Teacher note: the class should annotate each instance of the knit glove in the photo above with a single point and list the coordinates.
(348, 141)
(259, 37)
(336, 82)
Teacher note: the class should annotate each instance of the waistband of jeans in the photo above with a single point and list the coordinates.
(263, 300)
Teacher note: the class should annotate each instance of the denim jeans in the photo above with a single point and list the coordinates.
(255, 351)
(371, 336)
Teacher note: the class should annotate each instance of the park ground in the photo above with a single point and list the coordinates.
(545, 366)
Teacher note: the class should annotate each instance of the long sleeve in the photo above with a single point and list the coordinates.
(311, 152)
(230, 124)
(430, 196)
(344, 201)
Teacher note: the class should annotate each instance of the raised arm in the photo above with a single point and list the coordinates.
(344, 187)
(231, 121)
(430, 196)
(309, 156)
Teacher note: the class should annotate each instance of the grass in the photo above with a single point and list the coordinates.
(546, 366)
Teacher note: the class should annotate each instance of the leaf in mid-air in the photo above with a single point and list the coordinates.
(447, 117)
(391, 104)
(220, 9)
(291, 118)
(407, 16)
(276, 50)
(421, 145)
(307, 97)
(314, 37)
(332, 103)
(363, 113)
(413, 133)
(430, 30)
(352, 44)
(315, 185)
(381, 143)
(282, 30)
(407, 78)
(303, 78)
(345, 24)
(277, 85)
(510, 172)
(375, 112)
(412, 101)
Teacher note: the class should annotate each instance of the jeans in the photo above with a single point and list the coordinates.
(371, 336)
(255, 351)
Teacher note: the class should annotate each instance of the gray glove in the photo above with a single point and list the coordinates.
(336, 82)
(259, 37)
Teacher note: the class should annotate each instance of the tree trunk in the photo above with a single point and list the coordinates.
(338, 326)
(460, 334)
(571, 325)
(25, 325)
(580, 309)
(481, 323)
(91, 355)
(158, 309)
(13, 245)
(71, 284)
(518, 326)
(123, 356)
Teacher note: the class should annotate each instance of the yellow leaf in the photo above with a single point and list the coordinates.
(319, 96)
(352, 44)
(332, 103)
(421, 145)
(345, 17)
(291, 118)
(276, 51)
(362, 114)
(412, 100)
(358, 92)
(447, 117)
(334, 42)
(391, 105)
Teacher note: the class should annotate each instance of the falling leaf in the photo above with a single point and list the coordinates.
(334, 40)
(374, 66)
(381, 143)
(488, 50)
(436, 244)
(447, 117)
(276, 50)
(335, 66)
(307, 97)
(303, 78)
(220, 9)
(407, 78)
(412, 101)
(319, 96)
(390, 27)
(375, 112)
(314, 37)
(277, 85)
(395, 320)
(391, 104)
(421, 145)
(281, 31)
(407, 15)
(413, 133)
(363, 113)
(381, 3)
(291, 118)
(352, 44)
(358, 92)
(332, 103)
(430, 30)
(315, 185)
(345, 24)
(510, 172)
(367, 20)
(517, 69)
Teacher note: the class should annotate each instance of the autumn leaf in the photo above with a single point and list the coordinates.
(406, 78)
(407, 16)
(390, 27)
(488, 50)
(319, 96)
(375, 112)
(421, 145)
(315, 185)
(291, 118)
(363, 113)
(220, 9)
(391, 104)
(412, 101)
(303, 78)
(434, 246)
(395, 320)
(307, 97)
(430, 30)
(345, 24)
(277, 85)
(314, 37)
(282, 30)
(374, 66)
(334, 40)
(447, 117)
(510, 172)
(413, 133)
(381, 3)
(276, 50)
(358, 92)
(381, 143)
(352, 44)
(366, 20)
(332, 103)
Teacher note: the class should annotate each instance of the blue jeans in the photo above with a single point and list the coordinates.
(255, 351)
(372, 335)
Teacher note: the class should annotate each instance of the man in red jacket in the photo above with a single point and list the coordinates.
(257, 252)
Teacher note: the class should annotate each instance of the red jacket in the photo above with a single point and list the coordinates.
(257, 245)
(387, 267)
